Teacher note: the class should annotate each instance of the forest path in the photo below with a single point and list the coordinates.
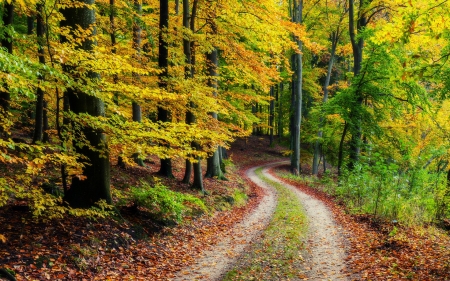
(214, 263)
(325, 243)
(325, 247)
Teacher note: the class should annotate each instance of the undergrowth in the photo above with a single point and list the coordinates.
(411, 197)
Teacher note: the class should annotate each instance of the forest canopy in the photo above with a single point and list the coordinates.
(361, 86)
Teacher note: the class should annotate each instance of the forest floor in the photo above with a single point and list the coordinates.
(138, 247)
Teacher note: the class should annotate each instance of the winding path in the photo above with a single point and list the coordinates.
(215, 263)
(325, 245)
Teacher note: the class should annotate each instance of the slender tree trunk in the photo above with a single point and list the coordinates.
(45, 137)
(255, 125)
(213, 163)
(357, 47)
(189, 23)
(137, 111)
(295, 157)
(292, 105)
(280, 111)
(177, 7)
(30, 24)
(112, 34)
(187, 70)
(86, 192)
(187, 172)
(334, 41)
(7, 42)
(271, 113)
(39, 115)
(163, 59)
(341, 149)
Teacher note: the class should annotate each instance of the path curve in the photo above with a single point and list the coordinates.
(325, 243)
(325, 258)
(216, 262)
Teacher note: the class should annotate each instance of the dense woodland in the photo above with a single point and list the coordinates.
(355, 90)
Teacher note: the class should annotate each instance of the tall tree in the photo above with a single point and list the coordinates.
(188, 49)
(280, 110)
(297, 88)
(39, 112)
(137, 111)
(213, 168)
(95, 186)
(334, 42)
(271, 113)
(357, 47)
(187, 69)
(163, 63)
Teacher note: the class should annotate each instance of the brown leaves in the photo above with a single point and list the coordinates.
(139, 248)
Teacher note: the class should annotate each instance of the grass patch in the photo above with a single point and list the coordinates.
(279, 253)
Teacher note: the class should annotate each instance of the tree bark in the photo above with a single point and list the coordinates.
(189, 23)
(271, 114)
(30, 24)
(355, 113)
(45, 137)
(213, 163)
(187, 172)
(136, 108)
(39, 112)
(295, 157)
(341, 149)
(163, 58)
(280, 111)
(84, 193)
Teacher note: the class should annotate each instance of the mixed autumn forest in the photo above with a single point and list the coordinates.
(136, 120)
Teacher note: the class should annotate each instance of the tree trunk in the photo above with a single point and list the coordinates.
(30, 24)
(163, 58)
(280, 111)
(334, 41)
(39, 112)
(355, 113)
(187, 69)
(137, 112)
(198, 177)
(271, 114)
(84, 193)
(292, 104)
(255, 125)
(188, 46)
(112, 14)
(341, 149)
(46, 137)
(295, 157)
(187, 172)
(213, 164)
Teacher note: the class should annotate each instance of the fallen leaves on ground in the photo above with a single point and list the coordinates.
(138, 247)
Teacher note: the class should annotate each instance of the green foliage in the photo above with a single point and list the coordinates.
(165, 203)
(380, 187)
(240, 198)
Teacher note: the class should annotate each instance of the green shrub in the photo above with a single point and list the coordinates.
(411, 196)
(165, 203)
